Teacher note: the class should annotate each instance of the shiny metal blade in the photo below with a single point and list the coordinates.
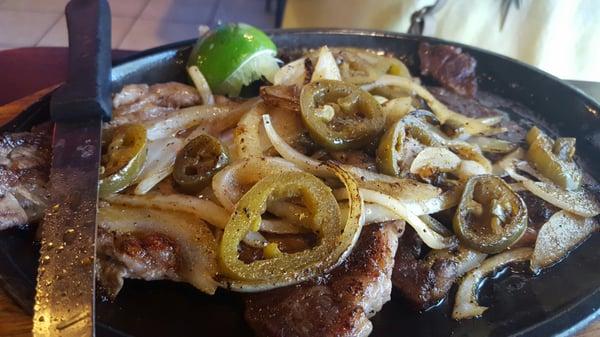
(65, 291)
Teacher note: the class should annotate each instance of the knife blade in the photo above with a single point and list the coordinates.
(65, 290)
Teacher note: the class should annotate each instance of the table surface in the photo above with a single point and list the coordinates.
(32, 69)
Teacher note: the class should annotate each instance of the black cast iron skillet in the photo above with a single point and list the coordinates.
(559, 301)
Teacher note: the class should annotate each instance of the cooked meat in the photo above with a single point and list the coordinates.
(146, 256)
(465, 105)
(303, 143)
(110, 274)
(249, 254)
(422, 282)
(449, 66)
(24, 169)
(538, 213)
(292, 243)
(309, 69)
(130, 94)
(140, 102)
(484, 105)
(281, 96)
(11, 213)
(337, 304)
(538, 210)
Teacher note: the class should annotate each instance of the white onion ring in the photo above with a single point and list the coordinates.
(375, 213)
(247, 138)
(466, 304)
(317, 167)
(159, 163)
(298, 215)
(499, 168)
(201, 85)
(230, 183)
(290, 212)
(430, 237)
(396, 108)
(202, 208)
(492, 120)
(211, 119)
(286, 151)
(442, 202)
(433, 160)
(580, 202)
(280, 227)
(472, 125)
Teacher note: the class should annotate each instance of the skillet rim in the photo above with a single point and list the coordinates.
(565, 322)
(369, 33)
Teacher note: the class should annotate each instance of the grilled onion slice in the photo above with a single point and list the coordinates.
(559, 235)
(466, 305)
(231, 183)
(580, 201)
(471, 125)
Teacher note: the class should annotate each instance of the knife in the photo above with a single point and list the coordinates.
(65, 290)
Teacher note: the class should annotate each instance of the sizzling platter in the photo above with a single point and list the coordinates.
(492, 72)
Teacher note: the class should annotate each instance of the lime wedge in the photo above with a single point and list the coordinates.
(234, 55)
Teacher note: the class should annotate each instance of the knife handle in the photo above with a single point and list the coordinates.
(86, 94)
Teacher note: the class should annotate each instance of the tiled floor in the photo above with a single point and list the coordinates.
(136, 24)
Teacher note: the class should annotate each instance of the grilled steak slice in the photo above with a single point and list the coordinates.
(140, 102)
(24, 170)
(448, 65)
(146, 256)
(538, 213)
(486, 105)
(467, 106)
(422, 282)
(337, 304)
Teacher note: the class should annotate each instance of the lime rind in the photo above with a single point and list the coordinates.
(263, 63)
(234, 55)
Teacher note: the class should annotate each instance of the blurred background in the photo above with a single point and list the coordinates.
(136, 24)
(558, 36)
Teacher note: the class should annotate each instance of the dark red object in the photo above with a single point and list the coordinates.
(27, 70)
(449, 66)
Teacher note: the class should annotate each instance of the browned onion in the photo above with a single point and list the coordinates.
(466, 304)
(559, 235)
